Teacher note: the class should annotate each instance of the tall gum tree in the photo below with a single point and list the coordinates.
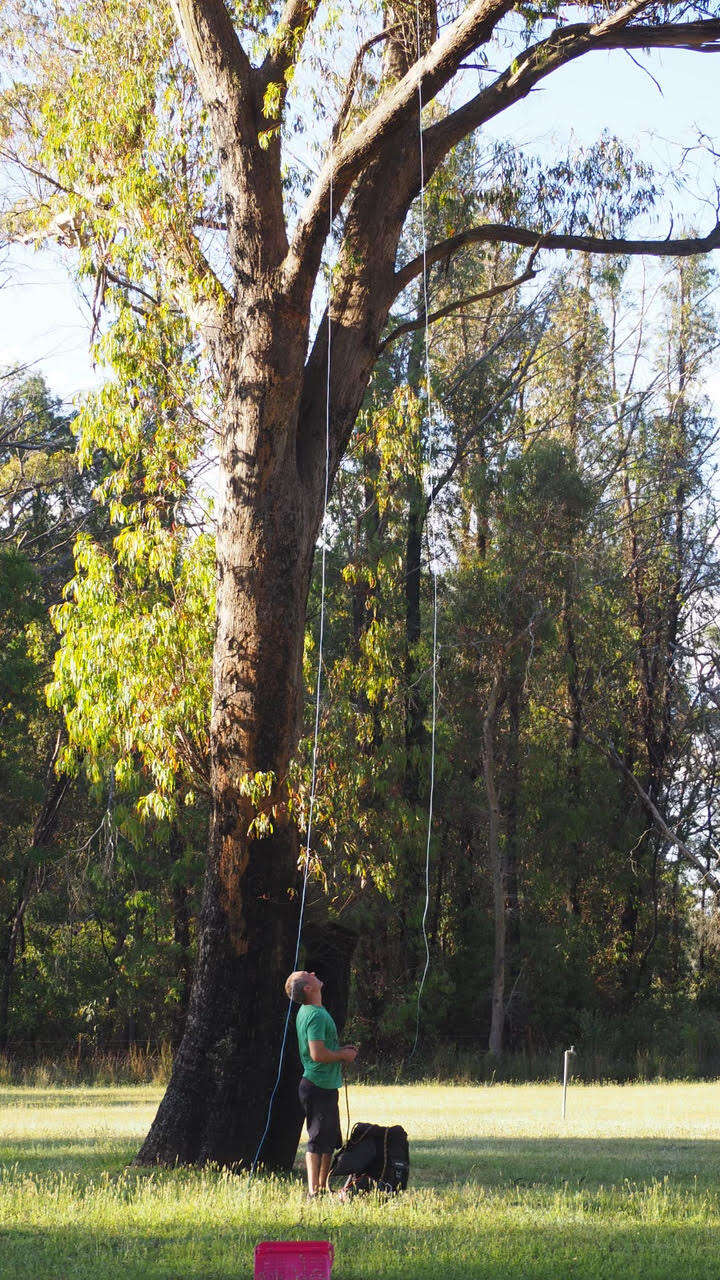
(236, 63)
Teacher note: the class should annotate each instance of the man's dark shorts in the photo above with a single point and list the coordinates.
(323, 1117)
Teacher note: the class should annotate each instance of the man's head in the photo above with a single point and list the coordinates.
(303, 987)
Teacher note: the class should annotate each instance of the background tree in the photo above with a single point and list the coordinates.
(43, 503)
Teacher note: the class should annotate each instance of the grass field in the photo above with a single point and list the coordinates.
(628, 1187)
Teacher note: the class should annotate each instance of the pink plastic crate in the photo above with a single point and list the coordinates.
(293, 1260)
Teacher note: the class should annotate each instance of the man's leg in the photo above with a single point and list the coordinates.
(332, 1137)
(325, 1161)
(323, 1125)
(313, 1163)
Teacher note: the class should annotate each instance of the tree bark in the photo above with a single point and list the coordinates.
(512, 804)
(215, 1105)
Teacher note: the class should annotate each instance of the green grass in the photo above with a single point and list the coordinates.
(628, 1187)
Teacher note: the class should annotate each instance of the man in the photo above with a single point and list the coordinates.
(321, 1055)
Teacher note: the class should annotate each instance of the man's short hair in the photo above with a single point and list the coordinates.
(295, 986)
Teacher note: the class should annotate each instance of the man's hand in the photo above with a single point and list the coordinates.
(348, 1053)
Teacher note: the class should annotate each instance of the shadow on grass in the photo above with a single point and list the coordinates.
(60, 1098)
(479, 1249)
(553, 1162)
(497, 1163)
(65, 1155)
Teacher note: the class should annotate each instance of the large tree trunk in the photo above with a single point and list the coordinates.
(272, 451)
(216, 1102)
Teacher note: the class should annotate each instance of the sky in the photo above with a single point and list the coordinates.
(44, 322)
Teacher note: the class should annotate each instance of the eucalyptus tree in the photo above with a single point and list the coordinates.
(158, 136)
(667, 521)
(506, 599)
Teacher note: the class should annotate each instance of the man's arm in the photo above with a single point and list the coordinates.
(319, 1052)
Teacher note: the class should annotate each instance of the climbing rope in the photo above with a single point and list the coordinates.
(430, 536)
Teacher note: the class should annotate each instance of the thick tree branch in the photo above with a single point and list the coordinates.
(409, 326)
(562, 46)
(504, 233)
(223, 69)
(354, 152)
(359, 147)
(371, 226)
(249, 162)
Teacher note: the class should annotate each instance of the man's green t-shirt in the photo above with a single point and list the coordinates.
(314, 1023)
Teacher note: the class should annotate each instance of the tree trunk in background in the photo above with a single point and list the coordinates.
(511, 807)
(575, 700)
(181, 934)
(499, 872)
(656, 550)
(43, 833)
(10, 948)
(578, 368)
(415, 702)
(417, 511)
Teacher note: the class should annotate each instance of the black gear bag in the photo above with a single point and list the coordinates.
(374, 1158)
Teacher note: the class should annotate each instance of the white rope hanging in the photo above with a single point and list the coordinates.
(430, 536)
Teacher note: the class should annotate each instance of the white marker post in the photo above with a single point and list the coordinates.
(566, 1062)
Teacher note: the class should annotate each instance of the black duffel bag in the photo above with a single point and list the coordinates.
(374, 1157)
